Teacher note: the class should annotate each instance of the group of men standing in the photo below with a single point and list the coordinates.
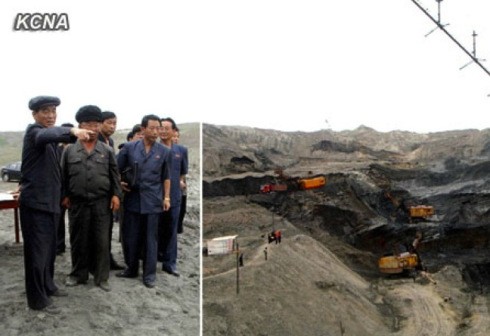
(146, 177)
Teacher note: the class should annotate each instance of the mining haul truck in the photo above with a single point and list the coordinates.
(268, 188)
(293, 185)
(312, 183)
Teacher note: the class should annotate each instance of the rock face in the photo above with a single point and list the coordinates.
(361, 213)
(232, 150)
(448, 170)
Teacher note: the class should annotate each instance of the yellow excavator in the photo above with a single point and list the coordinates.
(402, 262)
(396, 264)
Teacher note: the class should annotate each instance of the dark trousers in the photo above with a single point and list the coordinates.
(60, 240)
(39, 235)
(121, 230)
(140, 237)
(89, 229)
(183, 208)
(111, 225)
(167, 238)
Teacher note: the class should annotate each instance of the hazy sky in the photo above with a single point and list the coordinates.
(288, 65)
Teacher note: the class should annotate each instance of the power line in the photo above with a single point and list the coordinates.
(442, 27)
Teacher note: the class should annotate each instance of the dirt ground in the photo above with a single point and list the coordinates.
(323, 286)
(171, 308)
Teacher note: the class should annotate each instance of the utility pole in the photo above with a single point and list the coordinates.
(438, 19)
(237, 269)
(439, 10)
(474, 35)
(273, 223)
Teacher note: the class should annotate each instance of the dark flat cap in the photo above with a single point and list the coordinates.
(89, 113)
(39, 102)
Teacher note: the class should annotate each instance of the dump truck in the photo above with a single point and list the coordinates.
(312, 183)
(268, 188)
(295, 184)
(395, 264)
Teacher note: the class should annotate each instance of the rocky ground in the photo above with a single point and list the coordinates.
(323, 278)
(173, 307)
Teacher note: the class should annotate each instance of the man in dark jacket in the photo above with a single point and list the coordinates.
(92, 191)
(107, 129)
(40, 198)
(147, 197)
(183, 182)
(168, 227)
(60, 231)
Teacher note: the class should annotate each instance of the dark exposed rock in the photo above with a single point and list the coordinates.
(369, 187)
(359, 215)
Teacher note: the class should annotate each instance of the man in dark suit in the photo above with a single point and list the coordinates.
(40, 198)
(61, 231)
(147, 197)
(168, 227)
(183, 183)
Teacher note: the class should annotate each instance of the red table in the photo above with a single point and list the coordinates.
(13, 204)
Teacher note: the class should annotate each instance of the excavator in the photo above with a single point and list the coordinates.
(414, 213)
(398, 263)
(406, 262)
(402, 262)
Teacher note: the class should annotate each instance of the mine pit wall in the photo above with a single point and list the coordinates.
(347, 206)
(477, 276)
(358, 212)
(234, 186)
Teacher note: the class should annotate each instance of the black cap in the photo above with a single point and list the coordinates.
(39, 102)
(89, 113)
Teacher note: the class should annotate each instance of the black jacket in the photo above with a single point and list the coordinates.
(40, 184)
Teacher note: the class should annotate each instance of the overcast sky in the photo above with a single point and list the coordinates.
(287, 65)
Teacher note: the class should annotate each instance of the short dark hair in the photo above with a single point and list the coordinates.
(129, 136)
(146, 118)
(67, 125)
(174, 125)
(108, 115)
(136, 129)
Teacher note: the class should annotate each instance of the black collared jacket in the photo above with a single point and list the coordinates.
(40, 183)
